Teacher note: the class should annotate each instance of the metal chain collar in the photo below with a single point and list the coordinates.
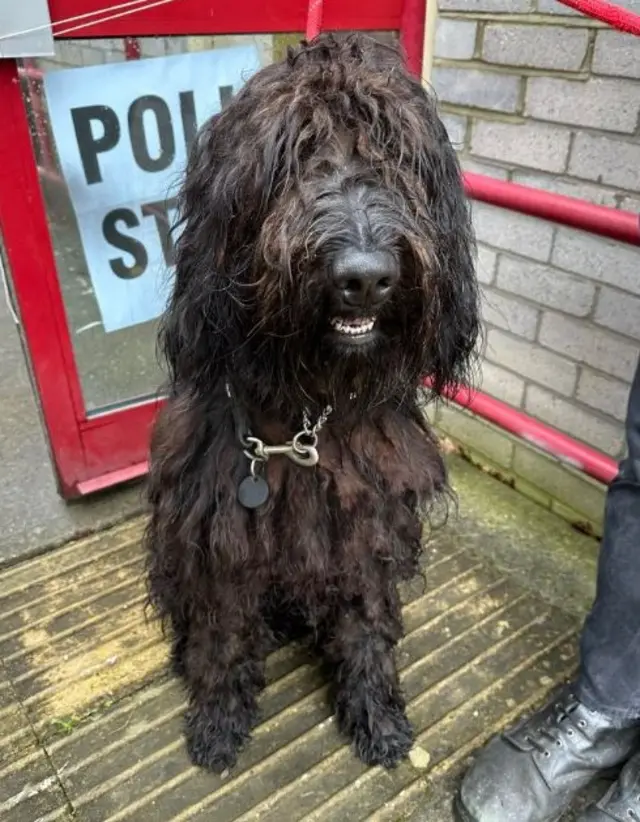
(302, 449)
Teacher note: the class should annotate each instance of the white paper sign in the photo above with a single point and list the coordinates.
(122, 133)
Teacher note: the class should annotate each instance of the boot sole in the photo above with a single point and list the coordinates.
(461, 814)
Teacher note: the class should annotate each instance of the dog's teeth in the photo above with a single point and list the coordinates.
(354, 327)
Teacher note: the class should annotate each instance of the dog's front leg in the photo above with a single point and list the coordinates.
(223, 670)
(369, 705)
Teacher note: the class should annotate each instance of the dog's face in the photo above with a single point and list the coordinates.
(355, 259)
(326, 244)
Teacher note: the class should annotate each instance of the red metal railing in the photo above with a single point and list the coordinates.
(623, 226)
(609, 13)
(561, 446)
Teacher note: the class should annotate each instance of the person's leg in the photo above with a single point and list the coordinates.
(533, 771)
(610, 672)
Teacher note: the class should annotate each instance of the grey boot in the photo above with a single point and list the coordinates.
(532, 772)
(622, 802)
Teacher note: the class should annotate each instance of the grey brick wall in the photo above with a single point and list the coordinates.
(530, 144)
(607, 160)
(472, 87)
(616, 54)
(607, 104)
(511, 315)
(547, 286)
(535, 93)
(546, 47)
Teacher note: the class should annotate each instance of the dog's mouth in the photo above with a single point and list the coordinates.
(354, 329)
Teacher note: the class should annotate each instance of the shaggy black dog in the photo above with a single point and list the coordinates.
(324, 267)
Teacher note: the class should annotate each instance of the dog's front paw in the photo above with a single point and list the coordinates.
(385, 741)
(213, 744)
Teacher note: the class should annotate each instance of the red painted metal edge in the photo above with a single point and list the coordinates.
(561, 446)
(609, 13)
(412, 34)
(33, 78)
(104, 481)
(607, 222)
(411, 29)
(29, 252)
(201, 17)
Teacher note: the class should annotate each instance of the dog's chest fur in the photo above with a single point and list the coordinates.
(356, 514)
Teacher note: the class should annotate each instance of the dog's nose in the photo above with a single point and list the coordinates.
(364, 279)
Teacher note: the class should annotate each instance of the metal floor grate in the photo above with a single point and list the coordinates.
(92, 723)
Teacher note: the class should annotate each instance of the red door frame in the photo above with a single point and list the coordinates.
(91, 453)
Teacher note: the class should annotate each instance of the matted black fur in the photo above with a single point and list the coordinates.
(334, 149)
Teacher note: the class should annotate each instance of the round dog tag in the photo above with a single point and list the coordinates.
(253, 492)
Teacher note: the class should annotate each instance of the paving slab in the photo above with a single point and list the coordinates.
(33, 515)
(30, 786)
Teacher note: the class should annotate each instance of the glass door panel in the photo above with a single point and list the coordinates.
(111, 121)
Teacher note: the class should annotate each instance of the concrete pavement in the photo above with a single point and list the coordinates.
(32, 514)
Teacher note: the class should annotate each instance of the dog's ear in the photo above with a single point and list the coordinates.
(199, 328)
(455, 311)
(234, 167)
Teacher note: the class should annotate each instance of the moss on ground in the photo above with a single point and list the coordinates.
(539, 548)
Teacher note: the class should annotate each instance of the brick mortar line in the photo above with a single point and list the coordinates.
(598, 285)
(542, 307)
(482, 113)
(587, 63)
(590, 323)
(525, 19)
(515, 119)
(508, 70)
(478, 45)
(574, 401)
(571, 399)
(577, 403)
(567, 162)
(518, 119)
(552, 351)
(586, 72)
